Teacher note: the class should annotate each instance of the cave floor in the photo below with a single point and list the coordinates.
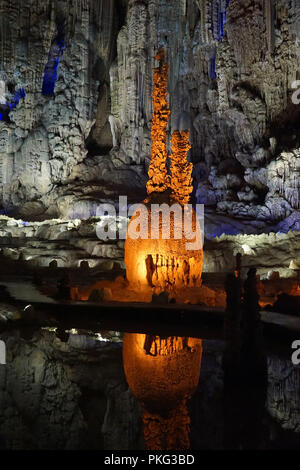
(193, 320)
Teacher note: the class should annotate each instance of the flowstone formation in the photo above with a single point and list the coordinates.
(163, 373)
(163, 248)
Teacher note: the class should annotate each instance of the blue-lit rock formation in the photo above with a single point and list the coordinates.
(19, 94)
(4, 113)
(50, 73)
(5, 108)
(212, 68)
(218, 18)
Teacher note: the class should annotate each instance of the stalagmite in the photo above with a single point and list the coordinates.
(181, 169)
(158, 176)
(166, 251)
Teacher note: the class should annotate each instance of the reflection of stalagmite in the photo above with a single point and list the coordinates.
(232, 325)
(163, 373)
(253, 350)
(244, 355)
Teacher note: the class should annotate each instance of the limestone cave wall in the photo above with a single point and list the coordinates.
(233, 64)
(232, 69)
(58, 53)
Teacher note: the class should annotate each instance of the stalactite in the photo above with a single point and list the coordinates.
(269, 16)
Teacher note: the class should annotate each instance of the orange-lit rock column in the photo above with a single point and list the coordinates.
(158, 176)
(156, 261)
(181, 169)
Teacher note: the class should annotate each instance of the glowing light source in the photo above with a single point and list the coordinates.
(163, 263)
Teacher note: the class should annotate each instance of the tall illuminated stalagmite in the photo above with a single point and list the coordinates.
(163, 373)
(158, 176)
(161, 255)
(181, 169)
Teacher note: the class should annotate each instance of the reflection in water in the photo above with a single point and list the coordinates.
(245, 416)
(163, 373)
(67, 390)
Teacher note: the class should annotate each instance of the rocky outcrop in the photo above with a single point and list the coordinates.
(69, 244)
(266, 252)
